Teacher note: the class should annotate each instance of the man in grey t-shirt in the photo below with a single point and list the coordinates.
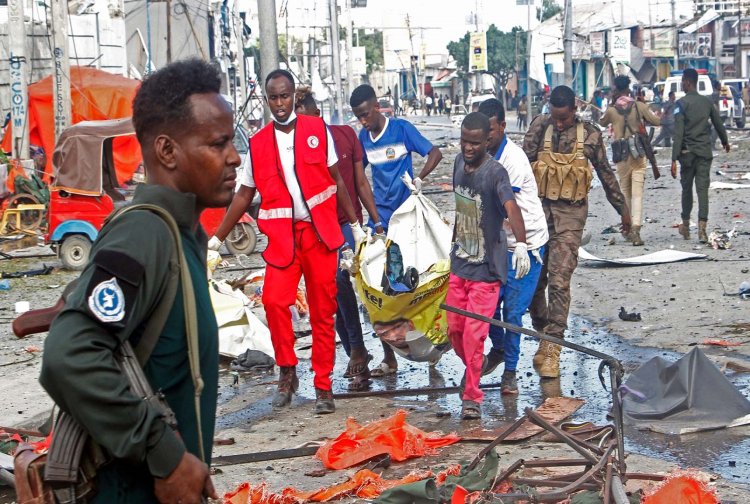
(484, 198)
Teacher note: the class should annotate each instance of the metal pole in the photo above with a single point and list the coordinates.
(676, 64)
(738, 56)
(61, 87)
(19, 71)
(337, 84)
(240, 75)
(169, 31)
(568, 43)
(269, 47)
(528, 62)
(349, 56)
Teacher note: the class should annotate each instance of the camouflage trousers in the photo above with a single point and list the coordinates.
(551, 303)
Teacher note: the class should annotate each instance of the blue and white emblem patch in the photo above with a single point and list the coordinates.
(107, 302)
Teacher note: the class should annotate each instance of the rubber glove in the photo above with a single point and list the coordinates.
(348, 262)
(417, 185)
(359, 234)
(378, 236)
(214, 244)
(521, 262)
(537, 256)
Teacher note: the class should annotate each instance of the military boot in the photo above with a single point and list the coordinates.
(550, 367)
(540, 353)
(702, 236)
(635, 236)
(684, 229)
(288, 385)
(324, 402)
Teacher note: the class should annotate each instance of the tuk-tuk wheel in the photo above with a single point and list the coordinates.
(242, 239)
(74, 252)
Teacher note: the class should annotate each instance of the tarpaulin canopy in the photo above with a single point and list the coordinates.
(95, 96)
(680, 397)
(80, 158)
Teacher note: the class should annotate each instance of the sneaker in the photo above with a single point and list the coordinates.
(493, 359)
(508, 385)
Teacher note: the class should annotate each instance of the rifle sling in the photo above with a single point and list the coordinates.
(70, 439)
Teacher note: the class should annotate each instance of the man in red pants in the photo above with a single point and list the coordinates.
(292, 162)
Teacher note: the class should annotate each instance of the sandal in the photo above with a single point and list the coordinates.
(471, 410)
(383, 369)
(359, 383)
(354, 370)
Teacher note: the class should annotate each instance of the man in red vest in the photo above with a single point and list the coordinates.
(292, 162)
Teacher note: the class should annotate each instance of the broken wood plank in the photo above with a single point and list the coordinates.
(554, 410)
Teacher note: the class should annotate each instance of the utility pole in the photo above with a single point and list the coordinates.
(528, 61)
(568, 43)
(269, 47)
(61, 75)
(241, 72)
(676, 63)
(738, 57)
(518, 68)
(349, 56)
(414, 65)
(19, 70)
(337, 84)
(169, 31)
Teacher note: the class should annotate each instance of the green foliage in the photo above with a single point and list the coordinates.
(373, 44)
(549, 9)
(502, 48)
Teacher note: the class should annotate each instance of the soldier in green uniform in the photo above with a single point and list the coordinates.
(560, 147)
(185, 129)
(692, 148)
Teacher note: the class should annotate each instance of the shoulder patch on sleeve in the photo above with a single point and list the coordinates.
(113, 286)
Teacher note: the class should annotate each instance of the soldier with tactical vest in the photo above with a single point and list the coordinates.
(293, 164)
(560, 147)
(626, 116)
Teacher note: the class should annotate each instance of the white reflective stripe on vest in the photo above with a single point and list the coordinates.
(275, 213)
(286, 213)
(321, 197)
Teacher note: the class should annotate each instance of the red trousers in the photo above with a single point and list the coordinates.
(317, 264)
(467, 335)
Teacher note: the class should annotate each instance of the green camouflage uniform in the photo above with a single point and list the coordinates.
(565, 221)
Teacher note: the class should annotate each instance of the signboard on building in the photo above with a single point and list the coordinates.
(658, 42)
(478, 52)
(620, 46)
(597, 41)
(695, 45)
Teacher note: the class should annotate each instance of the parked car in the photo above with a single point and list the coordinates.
(386, 108)
(674, 83)
(731, 106)
(478, 99)
(659, 91)
(737, 84)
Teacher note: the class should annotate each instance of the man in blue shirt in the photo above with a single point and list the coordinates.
(388, 144)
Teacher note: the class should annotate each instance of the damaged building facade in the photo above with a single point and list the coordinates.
(131, 39)
(646, 44)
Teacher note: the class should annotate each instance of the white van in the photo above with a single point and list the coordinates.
(674, 83)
